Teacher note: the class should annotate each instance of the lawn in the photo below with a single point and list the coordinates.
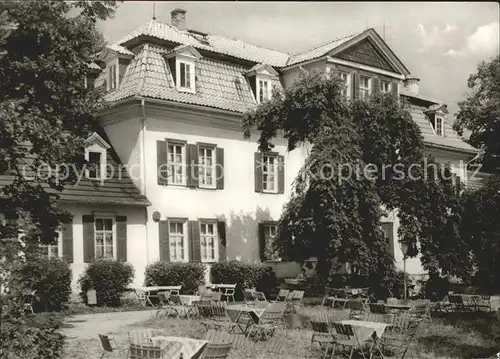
(464, 335)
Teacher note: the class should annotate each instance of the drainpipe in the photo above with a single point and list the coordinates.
(143, 168)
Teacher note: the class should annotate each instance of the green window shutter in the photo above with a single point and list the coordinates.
(262, 242)
(194, 241)
(257, 163)
(388, 228)
(375, 85)
(164, 242)
(192, 165)
(355, 85)
(121, 238)
(221, 231)
(162, 162)
(394, 89)
(281, 174)
(88, 239)
(67, 241)
(219, 157)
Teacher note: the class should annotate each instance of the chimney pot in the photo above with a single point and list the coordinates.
(412, 84)
(178, 17)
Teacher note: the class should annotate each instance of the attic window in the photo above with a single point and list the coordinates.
(112, 74)
(439, 125)
(184, 78)
(264, 90)
(182, 63)
(95, 155)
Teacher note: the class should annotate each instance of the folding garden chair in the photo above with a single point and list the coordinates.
(320, 325)
(249, 297)
(219, 319)
(421, 311)
(297, 297)
(282, 295)
(108, 345)
(356, 309)
(163, 308)
(345, 337)
(397, 344)
(260, 296)
(270, 320)
(456, 303)
(485, 302)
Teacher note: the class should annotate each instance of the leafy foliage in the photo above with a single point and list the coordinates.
(46, 112)
(334, 212)
(480, 229)
(479, 113)
(51, 278)
(246, 275)
(109, 278)
(189, 275)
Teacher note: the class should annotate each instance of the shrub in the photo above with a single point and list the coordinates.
(435, 288)
(189, 275)
(110, 280)
(246, 275)
(50, 277)
(28, 338)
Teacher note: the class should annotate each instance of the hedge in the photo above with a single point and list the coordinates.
(246, 275)
(51, 278)
(189, 275)
(110, 280)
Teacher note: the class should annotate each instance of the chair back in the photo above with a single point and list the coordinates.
(216, 296)
(378, 308)
(320, 323)
(356, 305)
(146, 351)
(218, 310)
(205, 310)
(343, 329)
(141, 336)
(163, 298)
(175, 299)
(400, 321)
(217, 350)
(485, 297)
(282, 295)
(338, 292)
(456, 299)
(248, 295)
(259, 296)
(106, 343)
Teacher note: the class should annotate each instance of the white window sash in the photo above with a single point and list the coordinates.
(173, 164)
(204, 168)
(346, 77)
(439, 120)
(266, 160)
(209, 244)
(178, 242)
(104, 232)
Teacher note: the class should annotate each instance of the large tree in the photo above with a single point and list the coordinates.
(479, 113)
(45, 51)
(337, 217)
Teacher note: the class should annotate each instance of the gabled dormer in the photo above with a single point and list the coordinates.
(116, 59)
(96, 155)
(437, 116)
(182, 63)
(261, 78)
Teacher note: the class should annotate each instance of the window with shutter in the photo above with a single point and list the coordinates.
(52, 250)
(177, 238)
(105, 238)
(388, 229)
(209, 245)
(176, 156)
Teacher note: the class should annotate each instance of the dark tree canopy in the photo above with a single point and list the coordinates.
(339, 218)
(479, 113)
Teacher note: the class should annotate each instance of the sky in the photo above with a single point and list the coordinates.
(439, 42)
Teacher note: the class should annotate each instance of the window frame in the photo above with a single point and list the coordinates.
(202, 147)
(185, 240)
(170, 169)
(215, 236)
(382, 83)
(439, 117)
(276, 172)
(268, 236)
(95, 148)
(258, 88)
(112, 76)
(347, 82)
(50, 246)
(365, 92)
(184, 60)
(104, 231)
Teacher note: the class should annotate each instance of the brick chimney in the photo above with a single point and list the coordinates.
(412, 84)
(178, 17)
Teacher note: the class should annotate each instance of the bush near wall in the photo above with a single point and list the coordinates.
(50, 277)
(189, 275)
(110, 280)
(246, 275)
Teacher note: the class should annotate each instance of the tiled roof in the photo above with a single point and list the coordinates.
(118, 189)
(450, 140)
(319, 50)
(120, 49)
(218, 44)
(218, 84)
(408, 93)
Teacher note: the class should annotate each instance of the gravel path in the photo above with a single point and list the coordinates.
(87, 326)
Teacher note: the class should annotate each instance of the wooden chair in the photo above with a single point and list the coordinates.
(485, 302)
(356, 309)
(320, 325)
(108, 345)
(421, 311)
(249, 297)
(397, 345)
(229, 293)
(217, 350)
(282, 295)
(260, 297)
(141, 336)
(297, 297)
(457, 303)
(345, 337)
(270, 320)
(150, 351)
(219, 319)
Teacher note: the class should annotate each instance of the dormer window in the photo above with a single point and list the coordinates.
(439, 125)
(112, 76)
(95, 155)
(261, 78)
(182, 63)
(264, 90)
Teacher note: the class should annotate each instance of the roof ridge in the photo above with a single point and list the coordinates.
(326, 43)
(144, 64)
(251, 44)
